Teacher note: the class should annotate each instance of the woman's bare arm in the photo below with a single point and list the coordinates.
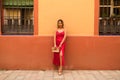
(55, 39)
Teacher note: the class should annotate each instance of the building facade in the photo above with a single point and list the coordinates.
(28, 26)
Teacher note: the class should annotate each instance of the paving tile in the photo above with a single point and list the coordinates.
(68, 75)
(49, 73)
(3, 76)
(58, 77)
(76, 75)
(106, 74)
(10, 76)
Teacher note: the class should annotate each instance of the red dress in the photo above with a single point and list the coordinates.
(59, 38)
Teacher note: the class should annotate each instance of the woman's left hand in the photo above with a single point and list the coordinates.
(59, 46)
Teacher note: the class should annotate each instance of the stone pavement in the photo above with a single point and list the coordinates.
(53, 75)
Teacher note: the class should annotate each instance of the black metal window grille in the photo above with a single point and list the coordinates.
(17, 17)
(109, 18)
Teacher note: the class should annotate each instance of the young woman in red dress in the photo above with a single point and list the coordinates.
(59, 42)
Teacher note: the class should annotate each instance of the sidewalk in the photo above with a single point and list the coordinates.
(67, 75)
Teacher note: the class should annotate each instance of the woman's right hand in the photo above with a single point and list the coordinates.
(54, 45)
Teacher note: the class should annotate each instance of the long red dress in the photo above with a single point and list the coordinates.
(56, 59)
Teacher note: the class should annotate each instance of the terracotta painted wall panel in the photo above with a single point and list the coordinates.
(78, 16)
(28, 52)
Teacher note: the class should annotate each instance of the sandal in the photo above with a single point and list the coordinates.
(60, 72)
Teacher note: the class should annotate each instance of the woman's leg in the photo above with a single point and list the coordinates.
(60, 68)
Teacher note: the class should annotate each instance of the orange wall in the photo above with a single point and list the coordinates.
(0, 26)
(78, 16)
(84, 50)
(96, 17)
(28, 52)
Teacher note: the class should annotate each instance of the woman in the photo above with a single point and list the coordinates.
(59, 42)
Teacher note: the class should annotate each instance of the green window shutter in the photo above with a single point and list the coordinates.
(18, 3)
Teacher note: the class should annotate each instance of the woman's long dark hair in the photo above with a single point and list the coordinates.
(60, 20)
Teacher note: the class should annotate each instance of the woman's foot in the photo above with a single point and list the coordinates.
(60, 71)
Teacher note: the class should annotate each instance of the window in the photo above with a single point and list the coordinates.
(17, 18)
(105, 2)
(117, 2)
(109, 18)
